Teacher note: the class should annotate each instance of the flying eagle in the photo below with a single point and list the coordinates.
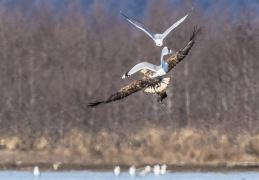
(155, 85)
(158, 38)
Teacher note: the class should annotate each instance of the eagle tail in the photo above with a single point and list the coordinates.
(95, 104)
(196, 33)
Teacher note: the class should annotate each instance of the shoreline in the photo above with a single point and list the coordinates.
(185, 150)
(105, 168)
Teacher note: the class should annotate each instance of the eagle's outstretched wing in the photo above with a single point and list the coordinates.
(149, 85)
(182, 53)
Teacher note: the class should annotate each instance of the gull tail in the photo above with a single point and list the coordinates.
(95, 104)
(190, 10)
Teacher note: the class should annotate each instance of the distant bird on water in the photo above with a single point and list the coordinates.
(163, 169)
(147, 84)
(117, 170)
(158, 38)
(36, 171)
(145, 171)
(132, 171)
(157, 170)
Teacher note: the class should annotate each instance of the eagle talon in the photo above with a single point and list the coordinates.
(161, 97)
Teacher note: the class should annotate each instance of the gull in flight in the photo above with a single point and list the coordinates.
(158, 38)
(159, 70)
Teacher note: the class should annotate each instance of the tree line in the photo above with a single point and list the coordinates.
(53, 63)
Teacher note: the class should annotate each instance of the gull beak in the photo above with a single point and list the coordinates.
(141, 71)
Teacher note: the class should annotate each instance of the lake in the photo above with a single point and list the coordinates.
(78, 175)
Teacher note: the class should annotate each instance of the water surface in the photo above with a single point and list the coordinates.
(78, 175)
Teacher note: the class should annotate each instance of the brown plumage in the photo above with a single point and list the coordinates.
(182, 53)
(156, 85)
(133, 87)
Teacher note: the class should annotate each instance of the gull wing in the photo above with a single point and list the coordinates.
(140, 66)
(174, 25)
(140, 26)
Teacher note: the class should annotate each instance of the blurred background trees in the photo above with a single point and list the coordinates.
(57, 57)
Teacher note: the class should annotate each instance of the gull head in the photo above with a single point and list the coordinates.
(164, 166)
(166, 51)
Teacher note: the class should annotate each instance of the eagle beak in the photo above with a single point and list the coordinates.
(141, 71)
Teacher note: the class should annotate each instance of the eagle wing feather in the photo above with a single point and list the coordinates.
(150, 85)
(182, 53)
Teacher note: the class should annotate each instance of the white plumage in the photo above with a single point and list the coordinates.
(157, 170)
(36, 171)
(132, 171)
(158, 38)
(145, 171)
(117, 170)
(163, 169)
